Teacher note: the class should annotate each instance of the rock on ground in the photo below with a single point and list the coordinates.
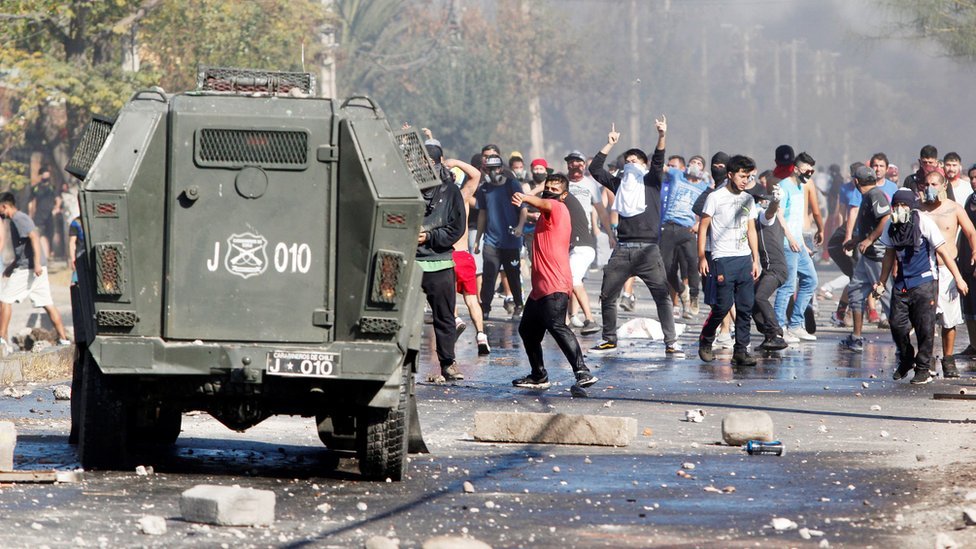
(228, 505)
(62, 392)
(152, 525)
(741, 427)
(454, 542)
(380, 542)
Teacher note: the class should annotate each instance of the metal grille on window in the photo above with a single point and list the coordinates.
(92, 141)
(269, 149)
(386, 276)
(417, 160)
(116, 319)
(109, 265)
(234, 80)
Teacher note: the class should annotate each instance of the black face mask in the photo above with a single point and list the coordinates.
(539, 177)
(549, 195)
(719, 174)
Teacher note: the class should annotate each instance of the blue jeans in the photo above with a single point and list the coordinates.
(800, 267)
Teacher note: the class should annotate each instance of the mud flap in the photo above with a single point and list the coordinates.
(415, 439)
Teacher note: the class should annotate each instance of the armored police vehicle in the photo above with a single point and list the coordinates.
(249, 252)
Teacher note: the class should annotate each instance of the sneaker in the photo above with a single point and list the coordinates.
(509, 305)
(922, 376)
(693, 306)
(64, 342)
(459, 327)
(585, 379)
(949, 370)
(517, 313)
(968, 352)
(802, 334)
(743, 358)
(685, 299)
(810, 319)
(604, 346)
(705, 352)
(451, 372)
(789, 338)
(483, 347)
(825, 293)
(577, 321)
(837, 319)
(774, 343)
(674, 348)
(589, 328)
(676, 311)
(529, 382)
(724, 341)
(883, 324)
(628, 302)
(902, 370)
(5, 348)
(852, 343)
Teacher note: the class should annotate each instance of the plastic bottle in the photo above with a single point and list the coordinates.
(760, 448)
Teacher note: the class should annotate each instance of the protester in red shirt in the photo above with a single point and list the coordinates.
(552, 283)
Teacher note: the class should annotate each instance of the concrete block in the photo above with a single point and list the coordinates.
(554, 428)
(454, 542)
(228, 505)
(741, 427)
(8, 440)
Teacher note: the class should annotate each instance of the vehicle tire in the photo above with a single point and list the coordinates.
(382, 436)
(156, 425)
(102, 438)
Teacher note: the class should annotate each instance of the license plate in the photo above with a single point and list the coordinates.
(303, 364)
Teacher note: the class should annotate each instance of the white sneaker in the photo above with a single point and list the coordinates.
(483, 347)
(577, 321)
(5, 348)
(802, 334)
(789, 337)
(64, 342)
(723, 341)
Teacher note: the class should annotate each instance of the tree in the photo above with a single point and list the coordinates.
(949, 23)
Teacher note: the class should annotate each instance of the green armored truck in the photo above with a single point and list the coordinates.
(249, 251)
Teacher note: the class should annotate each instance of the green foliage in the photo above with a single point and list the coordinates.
(949, 23)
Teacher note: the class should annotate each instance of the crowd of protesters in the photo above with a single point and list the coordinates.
(739, 239)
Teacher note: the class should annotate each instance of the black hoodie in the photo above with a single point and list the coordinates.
(443, 220)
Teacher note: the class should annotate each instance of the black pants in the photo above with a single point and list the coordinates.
(762, 310)
(495, 259)
(645, 263)
(835, 248)
(914, 309)
(679, 250)
(730, 282)
(548, 314)
(441, 296)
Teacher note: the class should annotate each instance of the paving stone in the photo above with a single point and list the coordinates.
(594, 430)
(741, 427)
(8, 440)
(228, 505)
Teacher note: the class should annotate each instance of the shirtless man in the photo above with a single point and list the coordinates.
(950, 218)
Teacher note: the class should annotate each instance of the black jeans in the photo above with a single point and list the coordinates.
(730, 282)
(644, 262)
(835, 248)
(493, 260)
(548, 314)
(679, 250)
(441, 296)
(762, 311)
(914, 309)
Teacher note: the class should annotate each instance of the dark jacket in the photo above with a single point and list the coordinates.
(643, 227)
(912, 182)
(444, 220)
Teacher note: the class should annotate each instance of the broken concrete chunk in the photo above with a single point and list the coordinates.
(62, 392)
(380, 542)
(741, 427)
(969, 515)
(228, 505)
(780, 524)
(8, 440)
(152, 525)
(554, 428)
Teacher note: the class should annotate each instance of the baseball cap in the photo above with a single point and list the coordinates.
(892, 172)
(575, 155)
(864, 175)
(493, 161)
(540, 162)
(784, 155)
(514, 155)
(434, 152)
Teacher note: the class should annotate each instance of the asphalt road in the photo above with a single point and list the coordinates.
(861, 476)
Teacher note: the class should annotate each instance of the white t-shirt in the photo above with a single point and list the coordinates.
(961, 189)
(587, 192)
(930, 231)
(731, 214)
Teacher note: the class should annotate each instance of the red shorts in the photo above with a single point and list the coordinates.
(465, 272)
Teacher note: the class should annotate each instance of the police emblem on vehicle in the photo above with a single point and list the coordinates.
(246, 255)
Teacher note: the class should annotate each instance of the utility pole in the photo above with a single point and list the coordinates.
(703, 141)
(327, 73)
(635, 110)
(537, 140)
(793, 92)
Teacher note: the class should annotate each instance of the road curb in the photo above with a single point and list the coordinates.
(46, 365)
